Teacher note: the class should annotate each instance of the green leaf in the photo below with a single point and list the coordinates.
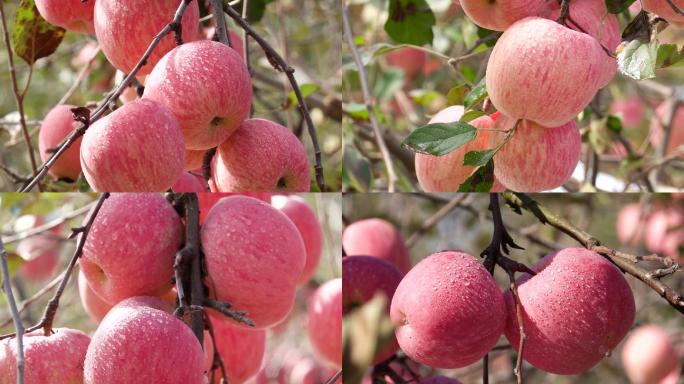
(440, 139)
(255, 9)
(669, 55)
(457, 94)
(356, 110)
(638, 59)
(307, 90)
(13, 263)
(356, 171)
(614, 124)
(478, 158)
(470, 116)
(424, 96)
(618, 6)
(410, 22)
(476, 95)
(32, 36)
(481, 180)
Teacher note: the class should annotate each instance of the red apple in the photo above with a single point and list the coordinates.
(649, 356)
(41, 255)
(94, 306)
(378, 238)
(498, 15)
(325, 322)
(72, 15)
(188, 182)
(241, 349)
(410, 60)
(56, 126)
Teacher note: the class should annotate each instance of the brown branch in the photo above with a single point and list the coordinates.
(173, 26)
(45, 322)
(26, 303)
(625, 261)
(391, 176)
(19, 98)
(279, 64)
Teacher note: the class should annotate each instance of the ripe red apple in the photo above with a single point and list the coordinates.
(659, 224)
(378, 238)
(592, 17)
(446, 173)
(208, 200)
(665, 10)
(124, 33)
(131, 247)
(498, 15)
(631, 110)
(241, 349)
(576, 309)
(194, 159)
(188, 182)
(254, 256)
(41, 255)
(56, 126)
(54, 359)
(673, 245)
(94, 306)
(304, 218)
(537, 158)
(362, 278)
(630, 224)
(677, 128)
(649, 357)
(236, 41)
(542, 71)
(410, 60)
(325, 322)
(137, 148)
(134, 338)
(448, 311)
(439, 380)
(261, 156)
(216, 88)
(72, 15)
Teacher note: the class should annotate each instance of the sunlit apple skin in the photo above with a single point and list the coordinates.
(188, 182)
(94, 306)
(216, 89)
(537, 158)
(304, 218)
(542, 71)
(498, 15)
(576, 310)
(72, 15)
(137, 148)
(325, 322)
(241, 349)
(649, 357)
(448, 311)
(261, 156)
(378, 238)
(56, 126)
(208, 200)
(131, 247)
(124, 33)
(132, 338)
(55, 359)
(254, 257)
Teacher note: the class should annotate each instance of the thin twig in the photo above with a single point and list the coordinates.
(521, 327)
(434, 219)
(220, 21)
(217, 360)
(279, 64)
(26, 303)
(173, 26)
(16, 317)
(17, 96)
(48, 226)
(81, 76)
(334, 378)
(391, 176)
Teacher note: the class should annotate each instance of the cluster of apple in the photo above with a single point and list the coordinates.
(197, 97)
(256, 256)
(449, 312)
(660, 227)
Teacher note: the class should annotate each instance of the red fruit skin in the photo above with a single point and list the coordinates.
(241, 349)
(362, 278)
(499, 15)
(188, 182)
(254, 256)
(410, 60)
(325, 322)
(377, 238)
(649, 357)
(677, 133)
(448, 311)
(68, 344)
(132, 337)
(72, 15)
(631, 110)
(542, 71)
(94, 306)
(303, 217)
(41, 255)
(124, 35)
(576, 309)
(216, 88)
(659, 224)
(144, 222)
(117, 155)
(208, 200)
(57, 125)
(261, 156)
(630, 225)
(537, 158)
(439, 380)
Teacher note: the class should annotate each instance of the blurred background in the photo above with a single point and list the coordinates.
(411, 83)
(637, 224)
(289, 355)
(306, 34)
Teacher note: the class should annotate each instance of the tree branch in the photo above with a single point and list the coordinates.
(16, 317)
